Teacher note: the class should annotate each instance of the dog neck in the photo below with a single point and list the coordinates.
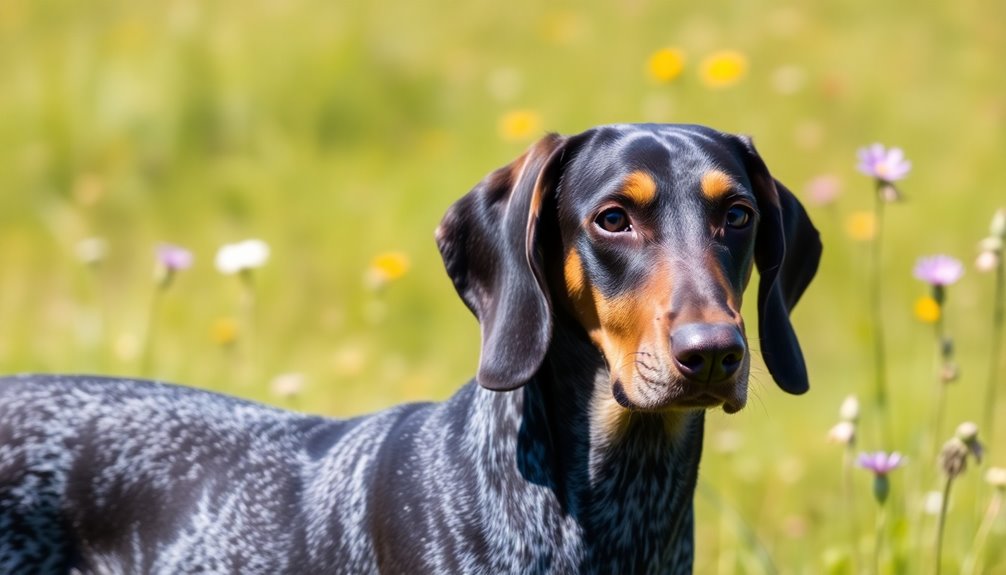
(627, 478)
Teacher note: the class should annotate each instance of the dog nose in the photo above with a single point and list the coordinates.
(707, 352)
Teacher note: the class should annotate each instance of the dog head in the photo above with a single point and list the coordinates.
(645, 236)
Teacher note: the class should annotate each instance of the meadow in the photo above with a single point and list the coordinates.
(339, 132)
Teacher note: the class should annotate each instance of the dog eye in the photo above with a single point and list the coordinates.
(738, 216)
(613, 220)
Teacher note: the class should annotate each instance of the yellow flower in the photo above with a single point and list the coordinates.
(723, 68)
(666, 64)
(861, 226)
(519, 125)
(386, 267)
(392, 265)
(927, 310)
(224, 331)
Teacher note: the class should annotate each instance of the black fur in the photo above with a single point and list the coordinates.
(568, 458)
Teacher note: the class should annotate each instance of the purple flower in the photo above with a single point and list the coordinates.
(880, 463)
(887, 165)
(939, 270)
(173, 258)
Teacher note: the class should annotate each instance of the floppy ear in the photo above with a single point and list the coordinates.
(488, 240)
(787, 252)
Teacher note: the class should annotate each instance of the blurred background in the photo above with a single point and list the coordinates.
(339, 132)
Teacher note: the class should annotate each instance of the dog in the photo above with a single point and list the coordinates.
(606, 270)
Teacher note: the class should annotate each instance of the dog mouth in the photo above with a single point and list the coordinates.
(680, 397)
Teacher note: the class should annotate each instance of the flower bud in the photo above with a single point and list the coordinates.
(949, 372)
(953, 459)
(991, 244)
(968, 433)
(987, 261)
(849, 411)
(888, 193)
(998, 227)
(881, 487)
(843, 432)
(996, 477)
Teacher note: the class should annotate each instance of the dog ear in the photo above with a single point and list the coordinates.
(787, 252)
(488, 240)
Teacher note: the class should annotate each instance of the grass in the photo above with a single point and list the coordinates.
(340, 131)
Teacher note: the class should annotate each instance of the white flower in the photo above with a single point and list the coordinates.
(287, 385)
(844, 432)
(987, 261)
(932, 503)
(850, 409)
(246, 255)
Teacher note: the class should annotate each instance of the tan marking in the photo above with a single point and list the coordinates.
(573, 272)
(619, 326)
(625, 322)
(715, 183)
(609, 417)
(639, 187)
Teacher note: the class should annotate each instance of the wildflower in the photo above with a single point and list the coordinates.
(932, 503)
(886, 165)
(991, 248)
(849, 410)
(824, 190)
(996, 477)
(171, 259)
(953, 460)
(724, 68)
(666, 64)
(998, 226)
(385, 268)
(954, 455)
(927, 310)
(991, 259)
(880, 464)
(519, 125)
(224, 331)
(91, 251)
(843, 432)
(287, 385)
(242, 256)
(861, 226)
(987, 261)
(939, 270)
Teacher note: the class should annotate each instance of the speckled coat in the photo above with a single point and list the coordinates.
(561, 457)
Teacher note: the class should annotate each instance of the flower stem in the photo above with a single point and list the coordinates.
(876, 312)
(850, 504)
(941, 387)
(248, 302)
(944, 505)
(995, 358)
(146, 361)
(878, 545)
(974, 559)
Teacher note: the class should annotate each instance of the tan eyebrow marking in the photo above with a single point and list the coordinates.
(639, 187)
(715, 183)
